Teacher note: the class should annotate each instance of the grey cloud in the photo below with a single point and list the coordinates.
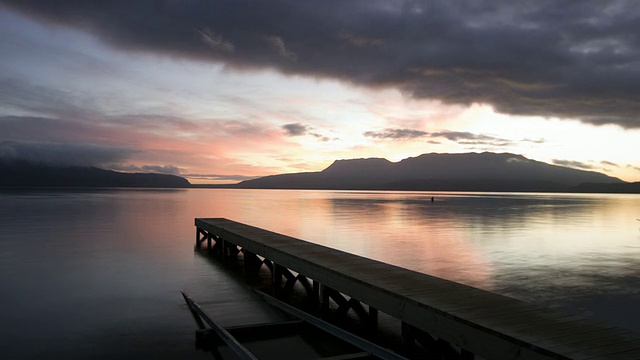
(160, 169)
(16, 95)
(320, 137)
(467, 138)
(396, 134)
(278, 44)
(518, 160)
(491, 143)
(530, 57)
(219, 177)
(573, 164)
(609, 163)
(63, 154)
(214, 41)
(461, 137)
(296, 129)
(21, 128)
(535, 141)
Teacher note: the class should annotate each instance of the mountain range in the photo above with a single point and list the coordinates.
(429, 172)
(447, 172)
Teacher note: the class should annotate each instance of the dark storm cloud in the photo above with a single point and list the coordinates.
(573, 164)
(296, 129)
(64, 154)
(575, 59)
(396, 134)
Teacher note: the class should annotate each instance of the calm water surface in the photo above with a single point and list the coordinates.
(97, 273)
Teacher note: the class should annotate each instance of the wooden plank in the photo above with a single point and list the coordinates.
(606, 351)
(599, 338)
(568, 341)
(495, 312)
(624, 355)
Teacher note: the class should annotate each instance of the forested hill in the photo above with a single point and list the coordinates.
(26, 174)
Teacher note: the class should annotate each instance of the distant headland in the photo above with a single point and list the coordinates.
(27, 174)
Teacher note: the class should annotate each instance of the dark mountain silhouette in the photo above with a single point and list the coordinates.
(462, 172)
(26, 174)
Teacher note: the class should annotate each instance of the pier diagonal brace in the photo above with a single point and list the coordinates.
(201, 236)
(370, 318)
(230, 250)
(308, 287)
(251, 264)
(436, 347)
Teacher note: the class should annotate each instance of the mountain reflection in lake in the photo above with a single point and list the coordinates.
(98, 271)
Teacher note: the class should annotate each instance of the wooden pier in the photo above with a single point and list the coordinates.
(432, 311)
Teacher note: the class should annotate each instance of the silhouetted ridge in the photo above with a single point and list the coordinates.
(360, 166)
(463, 172)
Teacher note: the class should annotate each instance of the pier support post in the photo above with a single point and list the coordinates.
(373, 318)
(408, 338)
(324, 299)
(315, 294)
(218, 246)
(234, 251)
(277, 278)
(308, 287)
(251, 265)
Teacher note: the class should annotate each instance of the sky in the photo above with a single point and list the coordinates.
(222, 91)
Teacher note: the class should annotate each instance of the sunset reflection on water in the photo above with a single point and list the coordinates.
(489, 240)
(62, 253)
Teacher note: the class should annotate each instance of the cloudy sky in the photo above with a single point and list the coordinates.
(220, 91)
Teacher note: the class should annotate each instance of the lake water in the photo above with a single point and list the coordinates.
(96, 273)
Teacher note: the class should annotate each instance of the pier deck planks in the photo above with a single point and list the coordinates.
(490, 325)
